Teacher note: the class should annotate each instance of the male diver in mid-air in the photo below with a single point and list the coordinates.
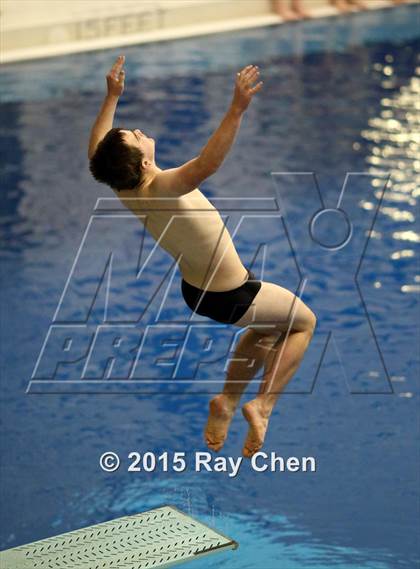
(215, 283)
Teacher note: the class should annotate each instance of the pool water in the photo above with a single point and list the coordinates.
(340, 95)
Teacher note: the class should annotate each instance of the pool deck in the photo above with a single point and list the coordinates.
(49, 30)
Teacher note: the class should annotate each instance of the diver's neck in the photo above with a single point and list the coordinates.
(151, 174)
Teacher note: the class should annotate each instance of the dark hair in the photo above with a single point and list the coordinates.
(116, 163)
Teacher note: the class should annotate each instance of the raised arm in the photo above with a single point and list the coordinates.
(105, 118)
(187, 177)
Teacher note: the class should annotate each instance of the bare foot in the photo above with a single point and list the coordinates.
(288, 15)
(341, 5)
(283, 11)
(221, 410)
(258, 423)
(302, 14)
(357, 5)
(299, 10)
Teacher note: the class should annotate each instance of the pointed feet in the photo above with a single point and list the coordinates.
(221, 411)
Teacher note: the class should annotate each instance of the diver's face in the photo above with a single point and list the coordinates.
(139, 140)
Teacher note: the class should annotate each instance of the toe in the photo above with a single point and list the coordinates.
(250, 448)
(214, 447)
(215, 443)
(248, 452)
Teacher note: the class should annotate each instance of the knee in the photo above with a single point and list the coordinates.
(311, 325)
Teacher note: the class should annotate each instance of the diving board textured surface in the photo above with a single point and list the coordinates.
(158, 538)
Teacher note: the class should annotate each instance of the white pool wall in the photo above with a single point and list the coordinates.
(32, 29)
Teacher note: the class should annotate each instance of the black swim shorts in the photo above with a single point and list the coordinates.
(226, 306)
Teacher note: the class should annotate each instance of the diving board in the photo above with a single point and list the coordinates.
(158, 538)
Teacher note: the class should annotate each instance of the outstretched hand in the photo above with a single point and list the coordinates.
(115, 77)
(246, 86)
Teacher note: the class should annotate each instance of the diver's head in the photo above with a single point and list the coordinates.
(137, 139)
(123, 159)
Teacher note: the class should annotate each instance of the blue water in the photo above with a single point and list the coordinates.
(341, 95)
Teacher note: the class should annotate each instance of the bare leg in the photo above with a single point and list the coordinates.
(248, 359)
(341, 5)
(280, 366)
(288, 325)
(275, 310)
(357, 4)
(299, 10)
(282, 9)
